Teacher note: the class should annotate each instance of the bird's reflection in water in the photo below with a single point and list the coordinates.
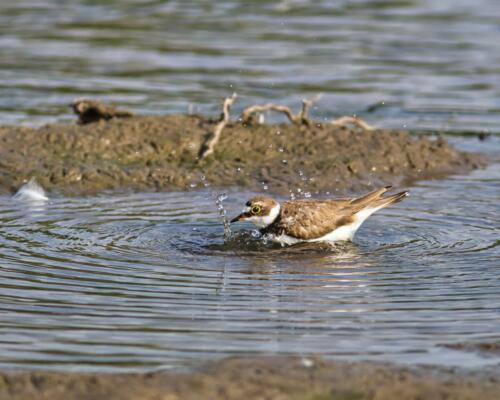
(314, 272)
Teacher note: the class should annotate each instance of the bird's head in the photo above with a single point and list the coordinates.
(262, 211)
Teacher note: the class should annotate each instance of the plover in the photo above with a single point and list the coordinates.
(307, 220)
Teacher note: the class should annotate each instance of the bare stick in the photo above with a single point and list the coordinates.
(306, 105)
(346, 120)
(304, 114)
(208, 146)
(248, 112)
(301, 118)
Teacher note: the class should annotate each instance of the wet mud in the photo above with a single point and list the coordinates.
(484, 348)
(259, 378)
(162, 153)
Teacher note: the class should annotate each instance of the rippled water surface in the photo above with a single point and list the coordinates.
(146, 281)
(415, 63)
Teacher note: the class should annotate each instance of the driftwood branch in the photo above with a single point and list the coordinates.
(306, 105)
(249, 112)
(301, 118)
(94, 110)
(208, 146)
(346, 120)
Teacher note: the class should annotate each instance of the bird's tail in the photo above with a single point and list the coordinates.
(375, 200)
(395, 198)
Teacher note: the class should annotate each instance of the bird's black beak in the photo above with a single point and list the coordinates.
(240, 217)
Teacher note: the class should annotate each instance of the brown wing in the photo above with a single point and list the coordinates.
(311, 219)
(369, 197)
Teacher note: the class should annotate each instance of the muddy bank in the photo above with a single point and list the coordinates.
(161, 153)
(259, 378)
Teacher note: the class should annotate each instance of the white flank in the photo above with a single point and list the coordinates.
(31, 191)
(262, 222)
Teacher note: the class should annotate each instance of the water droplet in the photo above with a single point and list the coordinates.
(256, 234)
(303, 177)
(222, 197)
(222, 212)
(307, 363)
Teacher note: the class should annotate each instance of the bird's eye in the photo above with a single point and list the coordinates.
(256, 209)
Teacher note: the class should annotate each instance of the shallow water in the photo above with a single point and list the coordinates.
(414, 63)
(145, 281)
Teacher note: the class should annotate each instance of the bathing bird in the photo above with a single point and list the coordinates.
(308, 220)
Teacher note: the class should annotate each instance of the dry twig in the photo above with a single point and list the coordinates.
(346, 120)
(306, 105)
(247, 116)
(248, 113)
(208, 146)
(302, 118)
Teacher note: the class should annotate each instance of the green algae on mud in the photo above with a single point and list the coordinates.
(259, 378)
(161, 153)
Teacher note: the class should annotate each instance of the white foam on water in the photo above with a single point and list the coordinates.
(31, 192)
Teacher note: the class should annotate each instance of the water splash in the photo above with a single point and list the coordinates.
(256, 234)
(222, 212)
